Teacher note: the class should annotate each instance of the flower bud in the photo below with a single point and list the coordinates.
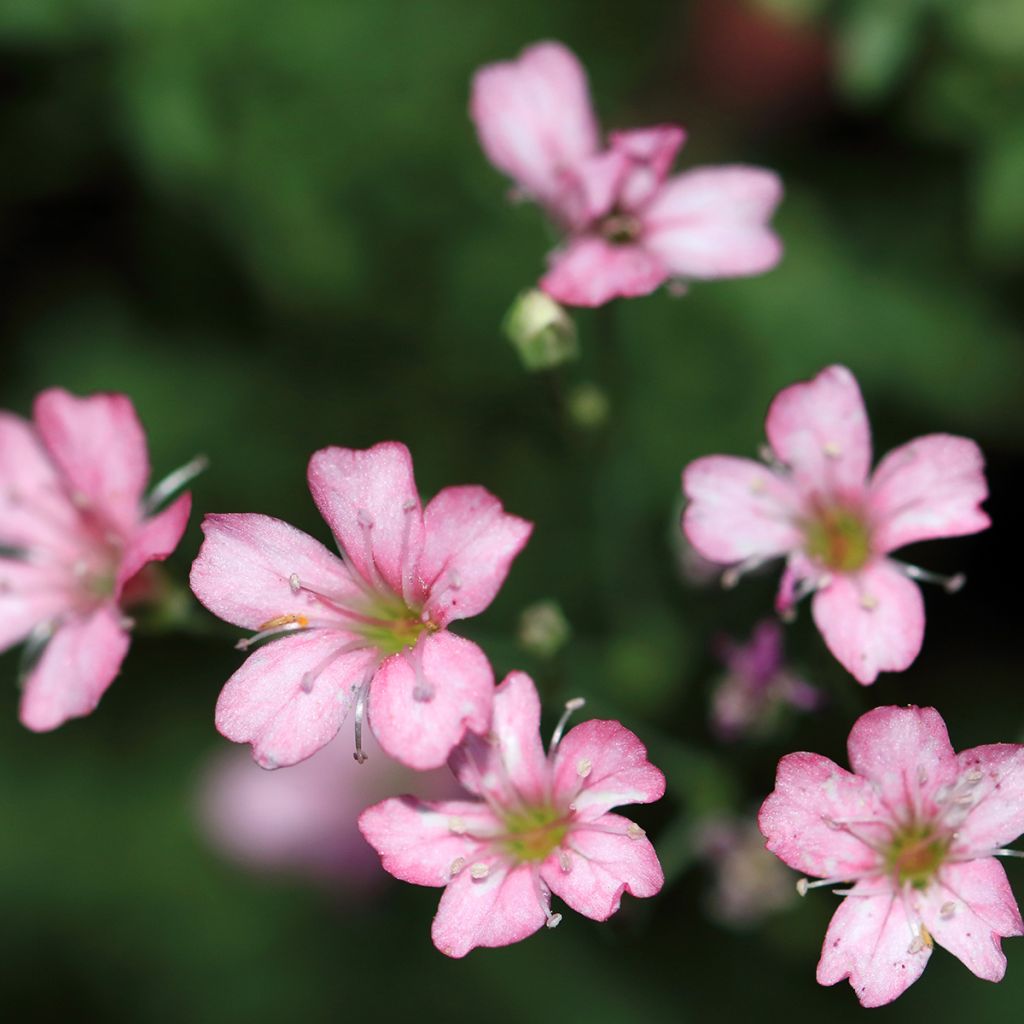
(542, 332)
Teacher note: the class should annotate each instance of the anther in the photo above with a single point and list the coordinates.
(917, 945)
(553, 921)
(947, 910)
(308, 679)
(457, 865)
(294, 582)
(635, 831)
(922, 775)
(951, 584)
(479, 870)
(408, 505)
(423, 693)
(570, 706)
(974, 776)
(868, 602)
(584, 767)
(564, 861)
(457, 826)
(802, 885)
(364, 519)
(832, 449)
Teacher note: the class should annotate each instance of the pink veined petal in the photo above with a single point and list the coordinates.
(417, 842)
(602, 866)
(906, 754)
(871, 620)
(29, 595)
(534, 119)
(738, 509)
(77, 666)
(869, 941)
(801, 819)
(819, 428)
(423, 699)
(930, 487)
(601, 764)
(99, 446)
(968, 909)
(997, 815)
(713, 222)
(243, 570)
(469, 545)
(497, 910)
(290, 697)
(591, 272)
(650, 152)
(155, 539)
(370, 502)
(510, 763)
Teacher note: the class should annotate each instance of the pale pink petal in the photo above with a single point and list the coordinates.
(799, 568)
(967, 909)
(600, 866)
(423, 699)
(802, 819)
(597, 182)
(650, 152)
(501, 908)
(426, 843)
(467, 551)
(30, 594)
(713, 222)
(591, 272)
(905, 753)
(534, 119)
(79, 663)
(155, 539)
(819, 428)
(510, 763)
(100, 447)
(601, 764)
(931, 487)
(739, 509)
(996, 816)
(869, 941)
(872, 620)
(244, 569)
(370, 502)
(291, 696)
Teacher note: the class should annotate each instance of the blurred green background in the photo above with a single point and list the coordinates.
(271, 225)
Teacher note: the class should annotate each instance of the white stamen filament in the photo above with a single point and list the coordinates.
(951, 584)
(556, 737)
(364, 689)
(174, 482)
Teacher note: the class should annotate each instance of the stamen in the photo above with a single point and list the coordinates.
(309, 678)
(584, 767)
(408, 506)
(947, 910)
(457, 826)
(364, 689)
(564, 861)
(556, 737)
(479, 870)
(553, 920)
(457, 865)
(1007, 853)
(951, 584)
(732, 575)
(365, 521)
(174, 482)
(335, 604)
(32, 650)
(804, 885)
(803, 588)
(272, 628)
(423, 690)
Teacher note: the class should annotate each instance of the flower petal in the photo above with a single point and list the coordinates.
(738, 509)
(266, 703)
(869, 941)
(370, 502)
(803, 818)
(872, 620)
(602, 866)
(931, 487)
(997, 814)
(99, 446)
(819, 428)
(30, 595)
(423, 699)
(590, 272)
(155, 539)
(600, 765)
(77, 666)
(467, 551)
(496, 910)
(650, 152)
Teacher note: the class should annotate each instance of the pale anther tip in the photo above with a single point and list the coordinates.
(802, 886)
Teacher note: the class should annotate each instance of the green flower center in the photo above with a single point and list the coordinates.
(916, 852)
(838, 538)
(531, 835)
(620, 228)
(395, 626)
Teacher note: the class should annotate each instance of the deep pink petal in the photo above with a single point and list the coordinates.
(968, 909)
(469, 545)
(422, 842)
(713, 222)
(497, 910)
(291, 696)
(371, 504)
(243, 570)
(423, 699)
(601, 764)
(872, 620)
(739, 509)
(996, 816)
(819, 428)
(100, 447)
(931, 487)
(869, 941)
(30, 594)
(602, 866)
(591, 272)
(79, 663)
(803, 818)
(650, 152)
(905, 753)
(155, 539)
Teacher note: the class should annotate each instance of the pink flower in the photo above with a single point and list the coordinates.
(540, 825)
(916, 828)
(815, 504)
(368, 630)
(74, 531)
(628, 226)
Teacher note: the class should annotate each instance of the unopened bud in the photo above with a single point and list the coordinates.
(588, 406)
(542, 332)
(543, 629)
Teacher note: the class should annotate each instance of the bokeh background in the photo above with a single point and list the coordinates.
(271, 225)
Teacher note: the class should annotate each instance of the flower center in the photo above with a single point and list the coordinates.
(531, 835)
(917, 851)
(620, 228)
(391, 625)
(838, 538)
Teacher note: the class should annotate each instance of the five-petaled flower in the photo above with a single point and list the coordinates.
(540, 824)
(368, 629)
(74, 531)
(816, 504)
(916, 828)
(628, 227)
